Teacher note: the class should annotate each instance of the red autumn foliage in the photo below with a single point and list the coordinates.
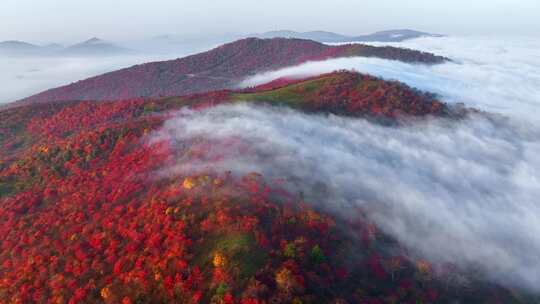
(84, 218)
(354, 94)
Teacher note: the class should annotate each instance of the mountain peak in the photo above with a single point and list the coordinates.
(93, 40)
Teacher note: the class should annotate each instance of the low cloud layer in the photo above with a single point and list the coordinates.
(495, 74)
(465, 192)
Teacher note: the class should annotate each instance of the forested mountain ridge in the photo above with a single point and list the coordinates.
(221, 68)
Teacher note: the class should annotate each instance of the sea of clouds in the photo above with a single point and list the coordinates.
(452, 191)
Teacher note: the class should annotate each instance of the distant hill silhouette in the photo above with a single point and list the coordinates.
(329, 37)
(14, 47)
(91, 47)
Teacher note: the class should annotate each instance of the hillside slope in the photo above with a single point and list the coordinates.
(348, 94)
(85, 216)
(217, 69)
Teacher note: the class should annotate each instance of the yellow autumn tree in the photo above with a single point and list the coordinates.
(219, 260)
(188, 183)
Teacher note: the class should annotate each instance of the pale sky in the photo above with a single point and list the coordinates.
(73, 20)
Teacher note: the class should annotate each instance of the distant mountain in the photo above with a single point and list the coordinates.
(329, 37)
(394, 36)
(93, 47)
(221, 68)
(13, 47)
(320, 36)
